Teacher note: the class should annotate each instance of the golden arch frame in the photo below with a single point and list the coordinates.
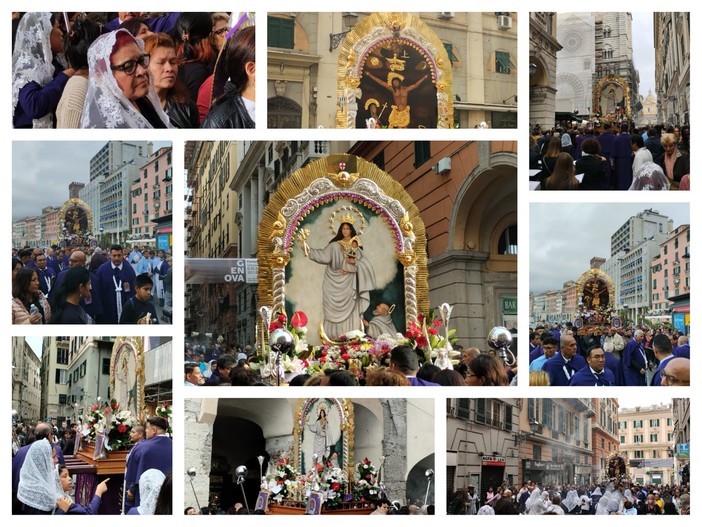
(379, 27)
(321, 182)
(619, 81)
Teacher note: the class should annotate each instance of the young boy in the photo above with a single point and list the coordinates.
(139, 309)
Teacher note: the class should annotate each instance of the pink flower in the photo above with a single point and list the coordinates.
(121, 428)
(432, 331)
(437, 322)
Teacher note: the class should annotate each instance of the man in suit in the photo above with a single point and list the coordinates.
(595, 373)
(563, 366)
(634, 361)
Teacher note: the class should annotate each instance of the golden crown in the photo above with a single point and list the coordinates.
(347, 218)
(396, 64)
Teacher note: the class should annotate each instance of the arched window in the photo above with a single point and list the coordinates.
(507, 243)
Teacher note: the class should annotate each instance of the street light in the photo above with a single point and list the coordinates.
(520, 438)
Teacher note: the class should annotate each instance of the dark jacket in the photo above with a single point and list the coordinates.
(681, 167)
(230, 113)
(595, 177)
(182, 115)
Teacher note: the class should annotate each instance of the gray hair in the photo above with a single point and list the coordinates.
(639, 333)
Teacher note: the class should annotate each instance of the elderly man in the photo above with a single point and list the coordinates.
(505, 505)
(562, 366)
(683, 347)
(634, 361)
(676, 372)
(616, 341)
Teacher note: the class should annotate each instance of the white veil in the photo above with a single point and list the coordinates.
(105, 104)
(149, 488)
(39, 485)
(31, 60)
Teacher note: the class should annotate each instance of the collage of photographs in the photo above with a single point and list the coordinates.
(328, 269)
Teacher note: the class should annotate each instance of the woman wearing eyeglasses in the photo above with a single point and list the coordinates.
(120, 94)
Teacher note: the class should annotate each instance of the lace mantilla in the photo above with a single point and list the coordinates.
(105, 104)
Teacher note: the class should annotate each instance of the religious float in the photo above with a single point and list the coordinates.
(75, 220)
(612, 100)
(103, 443)
(616, 468)
(342, 274)
(595, 290)
(320, 475)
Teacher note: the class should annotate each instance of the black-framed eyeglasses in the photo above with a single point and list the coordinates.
(130, 66)
(221, 31)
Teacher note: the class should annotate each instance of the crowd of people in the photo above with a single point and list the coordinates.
(561, 355)
(42, 482)
(88, 285)
(614, 497)
(217, 364)
(609, 158)
(138, 70)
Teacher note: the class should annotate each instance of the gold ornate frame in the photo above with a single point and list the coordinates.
(596, 273)
(379, 27)
(76, 202)
(344, 407)
(322, 182)
(619, 81)
(136, 346)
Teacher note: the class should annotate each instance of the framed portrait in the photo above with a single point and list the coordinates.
(127, 375)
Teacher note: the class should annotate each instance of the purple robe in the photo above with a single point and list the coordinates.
(106, 280)
(156, 452)
(606, 141)
(633, 360)
(622, 161)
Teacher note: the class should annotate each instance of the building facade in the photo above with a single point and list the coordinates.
(88, 372)
(681, 415)
(26, 383)
(557, 444)
(152, 194)
(614, 50)
(670, 270)
(605, 439)
(647, 438)
(543, 49)
(575, 62)
(672, 54)
(482, 449)
(54, 378)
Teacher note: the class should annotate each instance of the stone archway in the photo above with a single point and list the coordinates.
(571, 92)
(284, 113)
(401, 46)
(418, 481)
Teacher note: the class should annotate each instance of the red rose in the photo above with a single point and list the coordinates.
(437, 322)
(432, 331)
(274, 326)
(420, 318)
(335, 486)
(421, 342)
(121, 428)
(367, 476)
(345, 356)
(107, 410)
(322, 360)
(90, 425)
(282, 318)
(280, 482)
(116, 407)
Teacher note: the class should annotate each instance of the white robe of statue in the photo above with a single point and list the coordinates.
(345, 295)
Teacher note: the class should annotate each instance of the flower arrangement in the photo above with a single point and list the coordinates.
(333, 482)
(95, 422)
(121, 423)
(284, 481)
(165, 410)
(366, 488)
